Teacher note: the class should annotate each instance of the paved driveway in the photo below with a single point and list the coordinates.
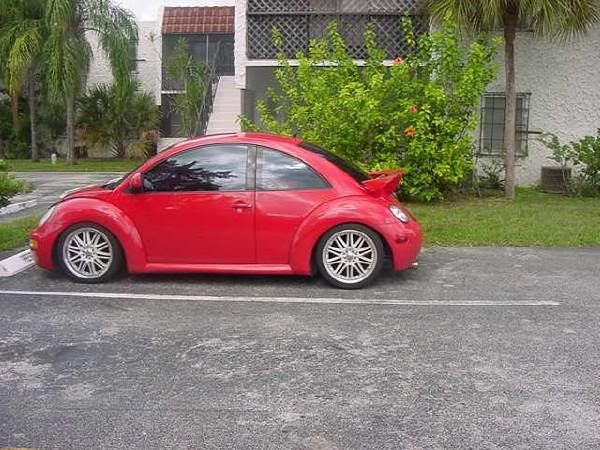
(479, 348)
(48, 186)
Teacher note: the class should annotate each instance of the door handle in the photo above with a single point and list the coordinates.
(241, 205)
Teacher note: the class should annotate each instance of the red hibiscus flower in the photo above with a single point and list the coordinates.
(410, 131)
(398, 60)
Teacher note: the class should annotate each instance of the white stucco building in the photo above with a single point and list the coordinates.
(557, 82)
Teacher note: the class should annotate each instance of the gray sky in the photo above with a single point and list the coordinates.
(148, 9)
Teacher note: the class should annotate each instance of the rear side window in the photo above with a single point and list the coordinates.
(346, 166)
(276, 171)
(213, 168)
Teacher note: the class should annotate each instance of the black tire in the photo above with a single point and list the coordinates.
(114, 266)
(375, 267)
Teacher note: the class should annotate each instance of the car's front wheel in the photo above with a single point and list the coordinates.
(89, 253)
(350, 256)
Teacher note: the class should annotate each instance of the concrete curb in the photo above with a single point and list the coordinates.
(15, 207)
(16, 263)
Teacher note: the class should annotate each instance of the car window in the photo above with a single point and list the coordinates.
(352, 170)
(211, 168)
(276, 171)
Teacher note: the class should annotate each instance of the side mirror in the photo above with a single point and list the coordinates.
(136, 184)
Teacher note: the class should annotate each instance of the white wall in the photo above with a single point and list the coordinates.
(564, 82)
(148, 55)
(239, 50)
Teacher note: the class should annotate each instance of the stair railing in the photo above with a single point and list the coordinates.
(212, 83)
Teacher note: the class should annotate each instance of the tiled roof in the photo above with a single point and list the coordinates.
(197, 19)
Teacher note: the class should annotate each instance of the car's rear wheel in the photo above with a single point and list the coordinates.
(350, 256)
(89, 253)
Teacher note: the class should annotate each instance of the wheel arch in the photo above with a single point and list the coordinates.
(107, 216)
(386, 245)
(329, 216)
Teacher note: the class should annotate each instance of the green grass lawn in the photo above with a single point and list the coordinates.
(15, 233)
(83, 165)
(534, 219)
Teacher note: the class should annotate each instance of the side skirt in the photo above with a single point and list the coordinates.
(274, 269)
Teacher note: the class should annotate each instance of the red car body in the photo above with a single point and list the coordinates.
(250, 231)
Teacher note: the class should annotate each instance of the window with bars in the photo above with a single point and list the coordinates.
(491, 127)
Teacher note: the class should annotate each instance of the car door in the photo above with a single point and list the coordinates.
(287, 190)
(197, 207)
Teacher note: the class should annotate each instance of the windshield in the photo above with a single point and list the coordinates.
(354, 171)
(112, 184)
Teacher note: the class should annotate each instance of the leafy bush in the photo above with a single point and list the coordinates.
(146, 147)
(107, 117)
(15, 149)
(14, 142)
(491, 176)
(417, 114)
(9, 186)
(584, 155)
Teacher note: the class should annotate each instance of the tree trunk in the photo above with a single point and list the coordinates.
(70, 129)
(510, 113)
(32, 119)
(14, 108)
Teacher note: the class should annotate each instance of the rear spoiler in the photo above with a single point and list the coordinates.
(384, 183)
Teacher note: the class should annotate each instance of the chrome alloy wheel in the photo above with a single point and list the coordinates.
(87, 253)
(350, 256)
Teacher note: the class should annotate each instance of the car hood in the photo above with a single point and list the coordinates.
(91, 191)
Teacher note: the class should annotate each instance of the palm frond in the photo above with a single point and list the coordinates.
(59, 13)
(561, 18)
(21, 41)
(116, 29)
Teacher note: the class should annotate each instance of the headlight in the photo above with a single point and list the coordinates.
(46, 216)
(398, 214)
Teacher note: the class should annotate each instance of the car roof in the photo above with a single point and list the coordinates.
(288, 144)
(241, 137)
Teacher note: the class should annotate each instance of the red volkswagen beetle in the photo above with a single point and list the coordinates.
(234, 203)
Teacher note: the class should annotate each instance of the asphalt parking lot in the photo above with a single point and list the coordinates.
(478, 348)
(46, 188)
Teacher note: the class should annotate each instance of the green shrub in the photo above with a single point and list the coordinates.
(417, 114)
(14, 142)
(584, 155)
(107, 117)
(9, 186)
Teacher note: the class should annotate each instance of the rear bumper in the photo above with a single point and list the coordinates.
(405, 242)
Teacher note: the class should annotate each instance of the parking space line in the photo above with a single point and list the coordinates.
(323, 300)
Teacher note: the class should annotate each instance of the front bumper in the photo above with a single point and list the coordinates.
(41, 244)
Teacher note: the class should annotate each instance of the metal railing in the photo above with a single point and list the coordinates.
(212, 83)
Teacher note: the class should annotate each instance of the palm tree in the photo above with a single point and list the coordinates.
(67, 51)
(7, 13)
(107, 118)
(22, 35)
(558, 18)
